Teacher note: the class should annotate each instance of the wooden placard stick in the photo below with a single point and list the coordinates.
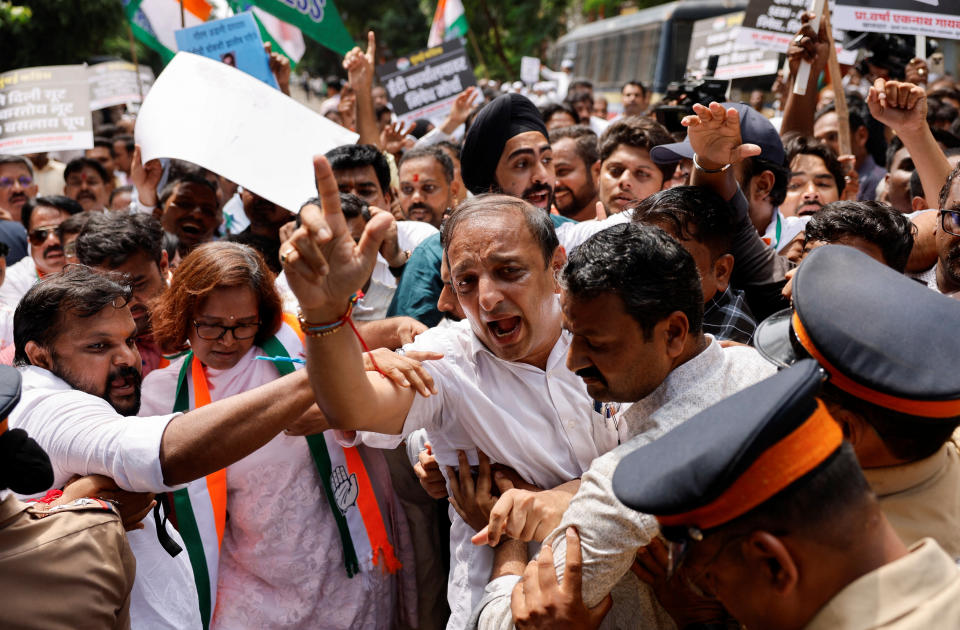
(839, 98)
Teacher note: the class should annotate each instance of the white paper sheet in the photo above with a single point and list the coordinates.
(226, 121)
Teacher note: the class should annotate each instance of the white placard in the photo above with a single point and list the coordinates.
(529, 70)
(227, 121)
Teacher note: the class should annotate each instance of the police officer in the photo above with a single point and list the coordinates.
(889, 348)
(61, 567)
(764, 508)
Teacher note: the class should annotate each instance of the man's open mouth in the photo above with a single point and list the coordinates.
(191, 228)
(539, 198)
(503, 328)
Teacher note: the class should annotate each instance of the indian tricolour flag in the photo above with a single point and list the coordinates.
(284, 38)
(154, 21)
(448, 22)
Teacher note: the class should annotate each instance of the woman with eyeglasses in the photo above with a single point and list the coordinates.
(303, 532)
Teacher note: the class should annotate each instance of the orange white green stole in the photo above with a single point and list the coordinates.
(201, 508)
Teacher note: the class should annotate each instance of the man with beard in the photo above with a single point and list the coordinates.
(40, 217)
(816, 177)
(427, 187)
(189, 208)
(88, 183)
(627, 172)
(945, 275)
(576, 161)
(17, 185)
(130, 244)
(263, 233)
(75, 346)
(506, 150)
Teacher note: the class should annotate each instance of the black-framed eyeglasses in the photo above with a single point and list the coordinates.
(950, 221)
(215, 332)
(40, 235)
(23, 180)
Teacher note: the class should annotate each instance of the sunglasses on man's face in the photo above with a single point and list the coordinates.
(40, 235)
(8, 182)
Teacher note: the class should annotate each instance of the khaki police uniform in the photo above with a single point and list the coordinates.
(920, 591)
(922, 499)
(64, 567)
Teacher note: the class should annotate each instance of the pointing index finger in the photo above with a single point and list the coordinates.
(329, 196)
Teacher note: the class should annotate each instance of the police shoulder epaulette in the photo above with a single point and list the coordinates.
(87, 504)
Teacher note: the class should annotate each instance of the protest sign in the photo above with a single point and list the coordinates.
(932, 18)
(529, 70)
(115, 83)
(771, 24)
(720, 36)
(425, 84)
(226, 121)
(45, 109)
(234, 40)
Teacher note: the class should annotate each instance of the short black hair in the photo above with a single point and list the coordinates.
(380, 110)
(910, 438)
(119, 190)
(538, 221)
(358, 156)
(185, 173)
(351, 206)
(77, 165)
(111, 238)
(893, 146)
(73, 225)
(639, 84)
(127, 140)
(578, 96)
(808, 145)
(170, 244)
(60, 202)
(588, 149)
(945, 191)
(106, 143)
(547, 111)
(77, 290)
(446, 164)
(692, 212)
(453, 147)
(753, 166)
(639, 132)
(647, 268)
(947, 138)
(873, 221)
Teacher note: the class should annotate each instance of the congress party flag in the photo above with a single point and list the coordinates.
(449, 22)
(284, 38)
(317, 19)
(154, 21)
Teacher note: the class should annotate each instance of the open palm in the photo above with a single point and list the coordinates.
(714, 134)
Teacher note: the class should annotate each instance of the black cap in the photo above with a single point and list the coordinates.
(879, 335)
(755, 128)
(733, 456)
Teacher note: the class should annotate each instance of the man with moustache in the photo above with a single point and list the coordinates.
(40, 217)
(88, 183)
(627, 172)
(17, 185)
(576, 161)
(816, 177)
(130, 244)
(427, 186)
(945, 275)
(76, 350)
(189, 208)
(506, 150)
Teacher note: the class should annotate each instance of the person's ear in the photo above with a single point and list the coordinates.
(722, 269)
(918, 204)
(454, 191)
(164, 263)
(38, 355)
(851, 423)
(860, 136)
(761, 185)
(595, 172)
(556, 265)
(676, 329)
(769, 559)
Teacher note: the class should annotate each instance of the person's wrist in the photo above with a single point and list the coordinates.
(706, 165)
(322, 314)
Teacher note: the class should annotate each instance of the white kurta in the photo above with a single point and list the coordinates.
(281, 561)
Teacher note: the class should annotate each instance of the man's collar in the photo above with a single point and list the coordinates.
(892, 479)
(680, 378)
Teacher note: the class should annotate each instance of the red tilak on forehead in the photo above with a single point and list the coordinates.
(416, 178)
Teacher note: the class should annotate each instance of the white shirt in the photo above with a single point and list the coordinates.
(6, 326)
(20, 277)
(84, 435)
(541, 423)
(281, 560)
